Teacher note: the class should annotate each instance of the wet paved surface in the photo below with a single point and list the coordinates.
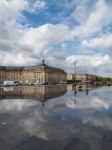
(55, 118)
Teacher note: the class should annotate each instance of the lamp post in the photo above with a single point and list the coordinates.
(75, 77)
(75, 70)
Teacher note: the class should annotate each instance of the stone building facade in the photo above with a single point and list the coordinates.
(84, 78)
(41, 74)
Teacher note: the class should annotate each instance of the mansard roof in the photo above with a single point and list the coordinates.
(46, 67)
(41, 66)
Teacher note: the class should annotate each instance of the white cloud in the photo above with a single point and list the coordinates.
(82, 10)
(96, 20)
(99, 64)
(36, 6)
(12, 52)
(21, 45)
(10, 12)
(11, 8)
(17, 59)
(96, 103)
(44, 37)
(104, 42)
(100, 60)
(89, 60)
(100, 122)
(17, 105)
(10, 30)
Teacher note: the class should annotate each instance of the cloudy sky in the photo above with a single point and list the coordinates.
(60, 31)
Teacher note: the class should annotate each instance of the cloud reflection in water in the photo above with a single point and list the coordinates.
(60, 119)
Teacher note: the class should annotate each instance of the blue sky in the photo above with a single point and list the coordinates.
(61, 31)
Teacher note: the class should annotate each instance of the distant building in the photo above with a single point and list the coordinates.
(41, 74)
(81, 77)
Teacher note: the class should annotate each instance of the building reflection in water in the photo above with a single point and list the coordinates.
(76, 88)
(41, 93)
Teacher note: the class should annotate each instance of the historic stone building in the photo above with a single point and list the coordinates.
(41, 74)
(84, 78)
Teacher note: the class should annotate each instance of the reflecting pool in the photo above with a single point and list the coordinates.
(59, 117)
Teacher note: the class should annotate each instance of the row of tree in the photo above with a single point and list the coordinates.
(104, 80)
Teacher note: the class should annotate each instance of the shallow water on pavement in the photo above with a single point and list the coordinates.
(55, 117)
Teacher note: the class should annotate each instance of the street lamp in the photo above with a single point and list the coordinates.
(75, 77)
(75, 70)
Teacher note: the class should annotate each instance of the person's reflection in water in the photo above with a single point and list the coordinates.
(75, 93)
(77, 144)
(43, 104)
(87, 90)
